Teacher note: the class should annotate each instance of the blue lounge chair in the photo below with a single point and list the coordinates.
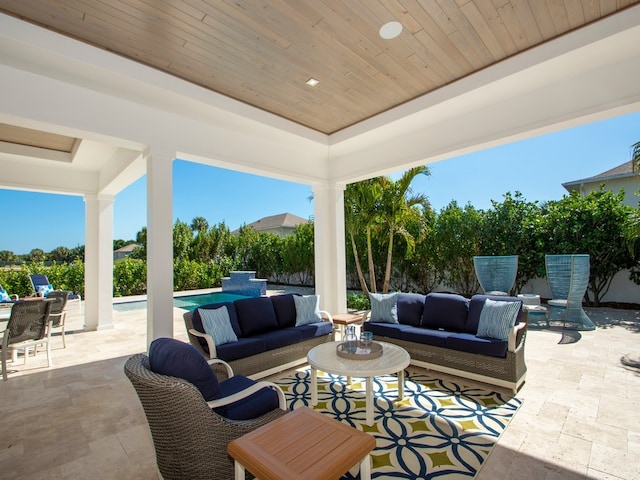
(7, 299)
(42, 286)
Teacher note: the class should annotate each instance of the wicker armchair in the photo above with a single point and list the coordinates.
(496, 274)
(26, 328)
(568, 277)
(58, 313)
(190, 438)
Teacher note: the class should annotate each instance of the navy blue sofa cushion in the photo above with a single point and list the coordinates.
(445, 310)
(468, 342)
(280, 338)
(385, 329)
(255, 405)
(244, 347)
(256, 315)
(427, 336)
(285, 309)
(168, 356)
(317, 329)
(475, 308)
(410, 308)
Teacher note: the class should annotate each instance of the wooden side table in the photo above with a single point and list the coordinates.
(344, 319)
(304, 445)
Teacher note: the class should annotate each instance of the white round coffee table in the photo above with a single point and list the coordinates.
(324, 357)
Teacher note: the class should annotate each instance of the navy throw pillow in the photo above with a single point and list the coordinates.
(445, 310)
(168, 356)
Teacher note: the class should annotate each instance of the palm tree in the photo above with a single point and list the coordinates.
(199, 225)
(399, 205)
(361, 205)
(201, 243)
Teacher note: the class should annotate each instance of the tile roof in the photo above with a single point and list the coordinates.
(623, 170)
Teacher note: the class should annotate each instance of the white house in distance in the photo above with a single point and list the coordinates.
(615, 179)
(124, 252)
(281, 224)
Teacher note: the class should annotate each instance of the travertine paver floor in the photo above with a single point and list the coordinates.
(81, 418)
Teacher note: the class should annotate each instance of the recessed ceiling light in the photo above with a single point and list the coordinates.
(390, 30)
(312, 82)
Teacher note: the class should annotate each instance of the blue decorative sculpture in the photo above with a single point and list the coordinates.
(496, 273)
(568, 277)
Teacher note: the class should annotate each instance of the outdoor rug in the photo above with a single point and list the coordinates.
(440, 429)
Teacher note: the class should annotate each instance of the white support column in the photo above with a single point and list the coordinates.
(159, 246)
(98, 274)
(330, 260)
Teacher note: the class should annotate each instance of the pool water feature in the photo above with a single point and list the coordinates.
(188, 302)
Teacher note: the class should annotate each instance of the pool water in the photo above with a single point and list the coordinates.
(187, 302)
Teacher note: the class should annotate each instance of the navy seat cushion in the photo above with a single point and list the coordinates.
(197, 321)
(426, 336)
(257, 404)
(244, 347)
(280, 338)
(410, 308)
(168, 356)
(317, 329)
(445, 310)
(383, 329)
(468, 342)
(256, 315)
(285, 309)
(475, 308)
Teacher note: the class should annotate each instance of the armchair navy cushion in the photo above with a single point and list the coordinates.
(168, 356)
(259, 403)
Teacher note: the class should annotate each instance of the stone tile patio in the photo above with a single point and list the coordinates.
(81, 418)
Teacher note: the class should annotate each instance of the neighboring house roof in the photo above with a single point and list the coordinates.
(621, 171)
(273, 222)
(127, 248)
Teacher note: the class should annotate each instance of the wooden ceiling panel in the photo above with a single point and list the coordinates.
(262, 52)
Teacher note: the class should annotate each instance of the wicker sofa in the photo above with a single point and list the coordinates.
(439, 332)
(268, 340)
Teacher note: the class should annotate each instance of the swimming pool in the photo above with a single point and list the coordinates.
(187, 302)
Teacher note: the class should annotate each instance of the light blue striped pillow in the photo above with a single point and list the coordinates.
(384, 307)
(216, 322)
(497, 318)
(307, 309)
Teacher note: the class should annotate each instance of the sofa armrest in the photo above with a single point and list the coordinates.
(326, 316)
(209, 340)
(366, 316)
(516, 334)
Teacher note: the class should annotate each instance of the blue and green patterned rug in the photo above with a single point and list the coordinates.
(440, 429)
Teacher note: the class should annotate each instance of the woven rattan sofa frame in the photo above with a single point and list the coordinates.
(507, 372)
(190, 439)
(265, 363)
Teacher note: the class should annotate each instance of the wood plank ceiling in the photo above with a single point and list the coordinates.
(263, 51)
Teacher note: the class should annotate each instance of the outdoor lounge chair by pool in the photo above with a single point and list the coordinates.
(42, 286)
(5, 298)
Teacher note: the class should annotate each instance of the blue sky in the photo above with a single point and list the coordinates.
(536, 167)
